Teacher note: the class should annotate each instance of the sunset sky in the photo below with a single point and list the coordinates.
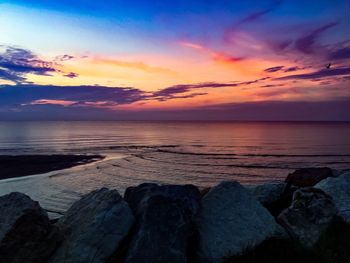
(264, 60)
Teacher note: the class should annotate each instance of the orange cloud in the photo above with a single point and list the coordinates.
(134, 65)
(216, 56)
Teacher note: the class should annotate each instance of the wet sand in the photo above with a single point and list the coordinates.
(24, 165)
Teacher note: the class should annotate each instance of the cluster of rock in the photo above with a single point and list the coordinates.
(174, 223)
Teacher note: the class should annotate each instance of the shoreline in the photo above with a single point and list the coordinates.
(14, 166)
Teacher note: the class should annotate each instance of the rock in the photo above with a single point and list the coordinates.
(94, 227)
(275, 197)
(165, 222)
(309, 216)
(337, 172)
(339, 189)
(26, 234)
(231, 221)
(268, 193)
(204, 191)
(306, 177)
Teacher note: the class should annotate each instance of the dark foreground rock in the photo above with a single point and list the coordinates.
(268, 193)
(26, 234)
(231, 221)
(275, 197)
(339, 189)
(94, 227)
(309, 216)
(306, 177)
(165, 222)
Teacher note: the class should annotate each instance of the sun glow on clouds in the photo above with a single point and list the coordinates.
(186, 68)
(64, 103)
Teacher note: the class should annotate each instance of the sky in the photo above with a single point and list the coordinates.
(183, 60)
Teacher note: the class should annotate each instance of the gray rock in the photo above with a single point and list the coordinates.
(268, 193)
(231, 221)
(94, 227)
(339, 189)
(275, 197)
(26, 234)
(309, 216)
(165, 222)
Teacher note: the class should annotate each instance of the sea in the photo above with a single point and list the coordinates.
(174, 152)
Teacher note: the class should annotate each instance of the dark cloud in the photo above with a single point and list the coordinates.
(101, 95)
(21, 61)
(173, 91)
(170, 92)
(339, 54)
(251, 82)
(16, 63)
(318, 74)
(188, 96)
(64, 57)
(71, 75)
(228, 58)
(272, 86)
(291, 69)
(25, 94)
(95, 102)
(274, 69)
(306, 44)
(8, 75)
(326, 83)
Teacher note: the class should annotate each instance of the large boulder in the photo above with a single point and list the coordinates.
(267, 193)
(339, 189)
(306, 177)
(165, 220)
(26, 234)
(93, 228)
(309, 216)
(231, 221)
(275, 197)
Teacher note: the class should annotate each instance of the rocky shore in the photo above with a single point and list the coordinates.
(304, 219)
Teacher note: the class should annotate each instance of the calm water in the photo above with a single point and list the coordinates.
(232, 148)
(201, 153)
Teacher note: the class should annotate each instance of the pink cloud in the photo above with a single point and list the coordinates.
(64, 103)
(216, 56)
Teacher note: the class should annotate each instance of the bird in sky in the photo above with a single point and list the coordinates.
(329, 66)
